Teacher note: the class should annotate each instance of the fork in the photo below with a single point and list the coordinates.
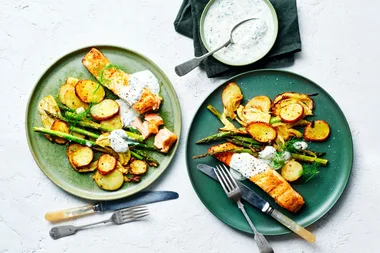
(234, 193)
(119, 217)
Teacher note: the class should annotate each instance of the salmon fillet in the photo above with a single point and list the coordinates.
(164, 140)
(273, 184)
(112, 78)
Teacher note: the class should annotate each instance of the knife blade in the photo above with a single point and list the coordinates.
(140, 198)
(246, 193)
(257, 201)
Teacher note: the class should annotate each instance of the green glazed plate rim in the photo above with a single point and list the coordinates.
(201, 31)
(326, 209)
(142, 184)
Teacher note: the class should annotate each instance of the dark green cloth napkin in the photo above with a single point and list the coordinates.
(288, 40)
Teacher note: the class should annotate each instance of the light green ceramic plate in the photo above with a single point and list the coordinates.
(264, 52)
(52, 159)
(320, 193)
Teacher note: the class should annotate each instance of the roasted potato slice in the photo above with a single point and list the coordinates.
(261, 131)
(255, 115)
(291, 171)
(306, 99)
(262, 103)
(70, 99)
(291, 112)
(104, 110)
(70, 151)
(276, 108)
(89, 91)
(72, 81)
(109, 182)
(113, 123)
(89, 168)
(138, 167)
(106, 164)
(82, 156)
(61, 127)
(231, 98)
(62, 92)
(319, 130)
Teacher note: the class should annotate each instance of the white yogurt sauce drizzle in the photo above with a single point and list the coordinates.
(127, 114)
(247, 165)
(300, 145)
(137, 82)
(251, 40)
(118, 141)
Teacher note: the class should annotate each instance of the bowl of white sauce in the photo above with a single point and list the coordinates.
(252, 40)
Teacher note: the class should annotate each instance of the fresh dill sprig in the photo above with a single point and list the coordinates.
(278, 160)
(289, 145)
(310, 171)
(74, 117)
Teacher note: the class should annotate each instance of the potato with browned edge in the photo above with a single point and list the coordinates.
(106, 164)
(138, 167)
(109, 182)
(89, 91)
(104, 110)
(231, 98)
(261, 131)
(317, 130)
(60, 126)
(82, 156)
(292, 170)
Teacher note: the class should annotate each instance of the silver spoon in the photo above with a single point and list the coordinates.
(189, 65)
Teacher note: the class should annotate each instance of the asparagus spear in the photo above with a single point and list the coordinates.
(94, 125)
(247, 140)
(234, 150)
(242, 143)
(305, 158)
(214, 111)
(150, 160)
(85, 132)
(215, 137)
(65, 136)
(137, 156)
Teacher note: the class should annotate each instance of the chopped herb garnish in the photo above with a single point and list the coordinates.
(310, 171)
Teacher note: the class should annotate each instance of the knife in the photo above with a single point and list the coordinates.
(254, 199)
(140, 198)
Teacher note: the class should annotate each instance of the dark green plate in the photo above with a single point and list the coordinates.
(52, 159)
(320, 193)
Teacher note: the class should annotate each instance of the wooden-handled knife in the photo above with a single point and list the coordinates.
(253, 198)
(140, 198)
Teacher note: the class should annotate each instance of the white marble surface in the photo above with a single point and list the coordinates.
(340, 52)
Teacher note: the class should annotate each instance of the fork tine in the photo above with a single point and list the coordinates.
(230, 185)
(133, 209)
(221, 180)
(232, 179)
(141, 215)
(227, 184)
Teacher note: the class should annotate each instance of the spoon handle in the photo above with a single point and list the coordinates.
(189, 65)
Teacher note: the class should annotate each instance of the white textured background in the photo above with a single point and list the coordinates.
(341, 52)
